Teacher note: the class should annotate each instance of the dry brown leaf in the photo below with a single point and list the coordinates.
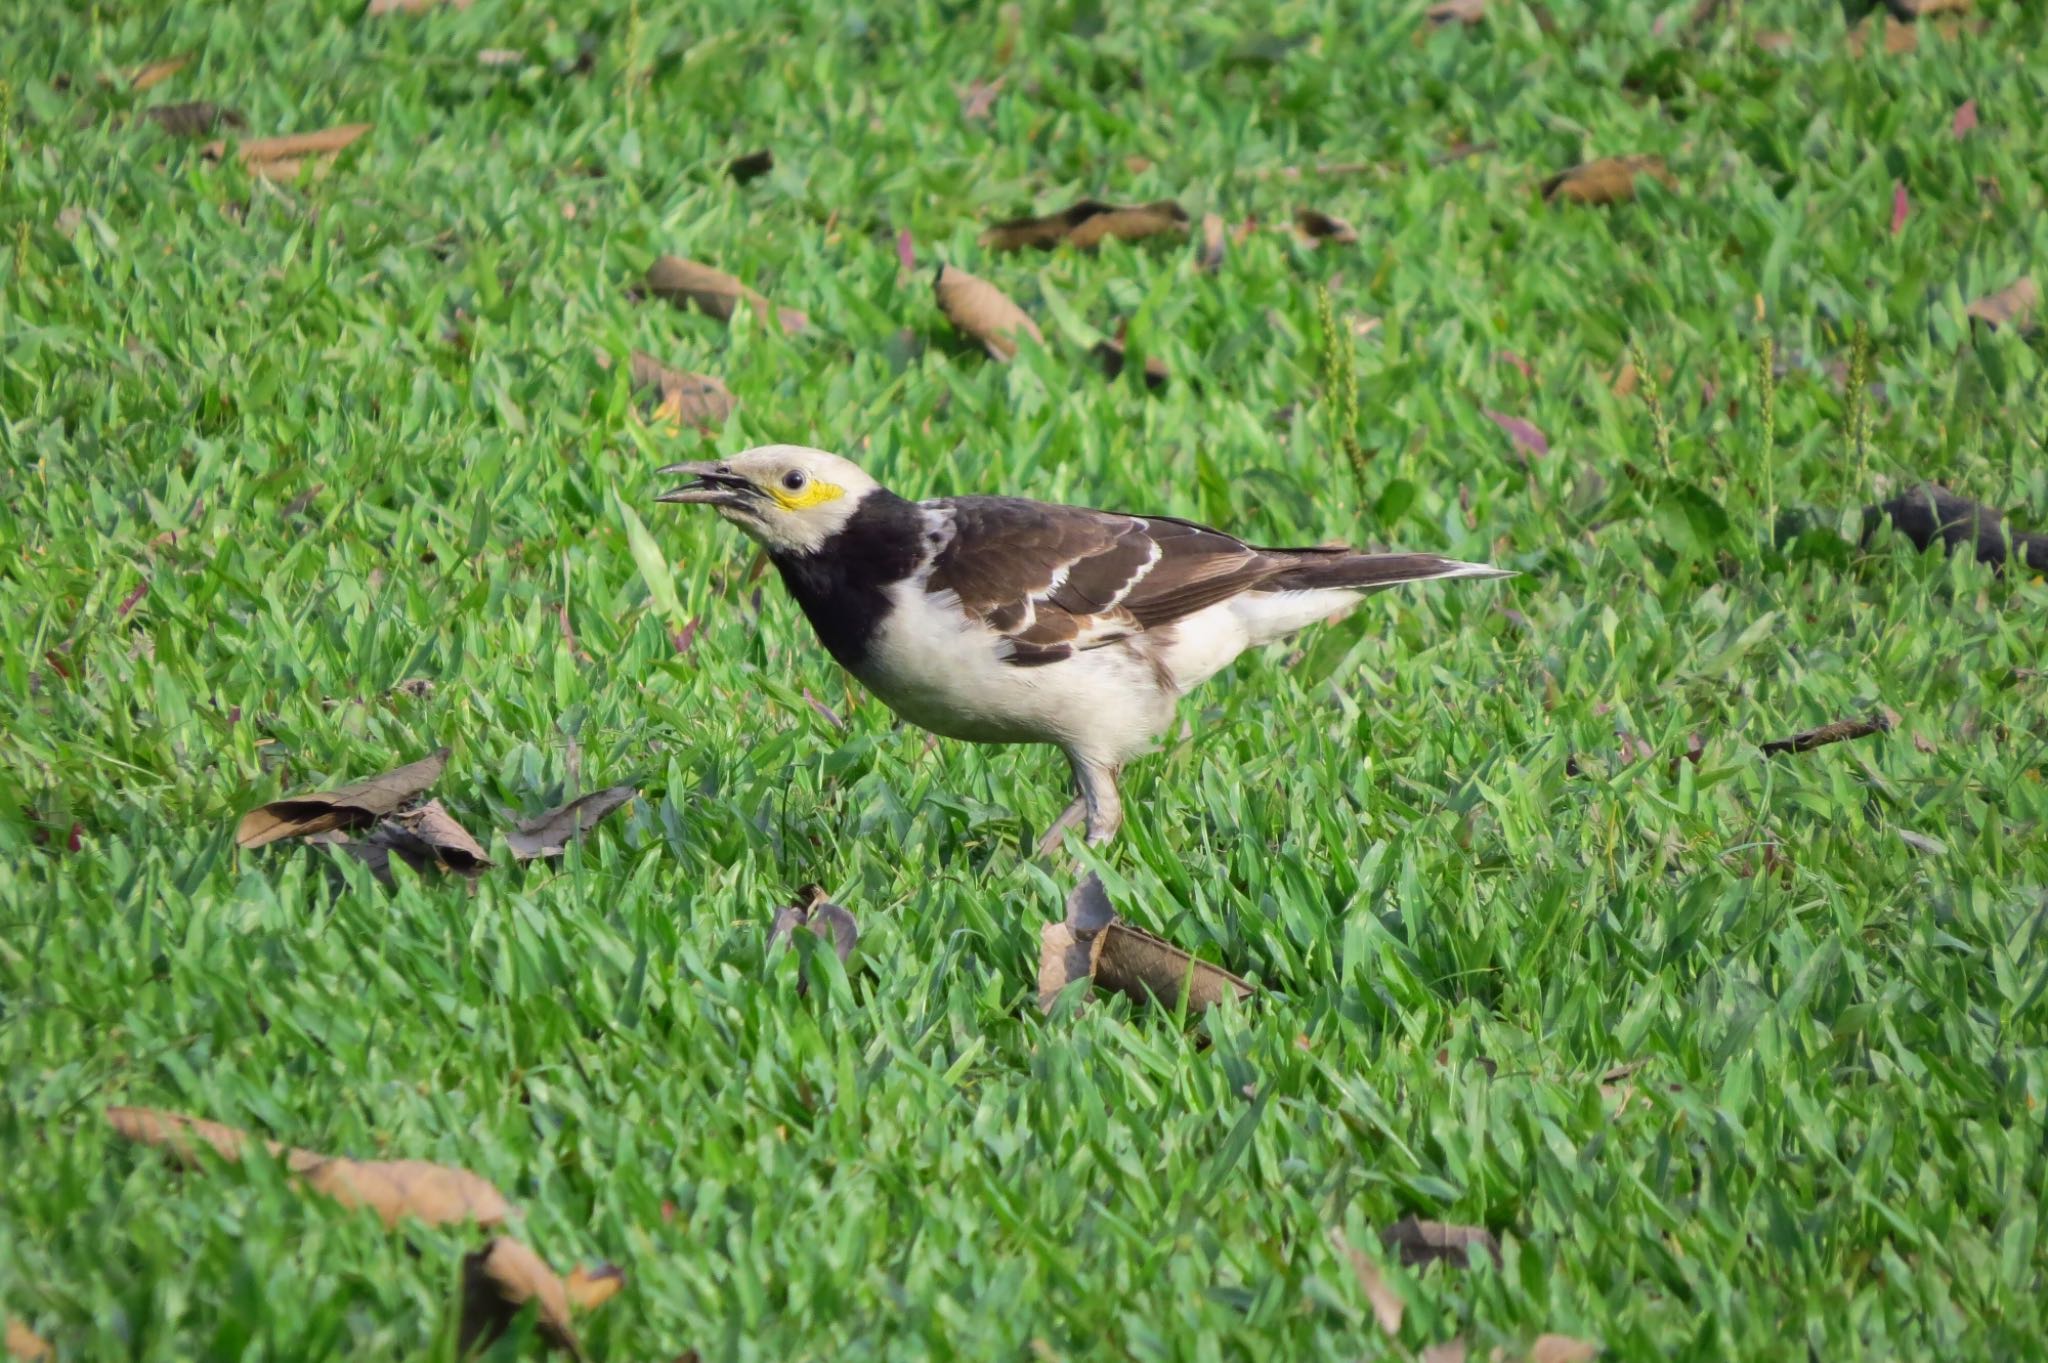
(1562, 1349)
(1451, 1350)
(714, 293)
(590, 1288)
(2012, 306)
(1109, 353)
(377, 8)
(497, 1282)
(1319, 226)
(1387, 1306)
(1162, 218)
(1136, 963)
(434, 1193)
(1611, 179)
(195, 119)
(697, 399)
(983, 311)
(549, 834)
(823, 918)
(1837, 732)
(1063, 957)
(156, 73)
(1458, 12)
(1209, 258)
(1045, 232)
(352, 806)
(291, 147)
(1419, 1242)
(25, 1344)
(1900, 39)
(452, 844)
(752, 166)
(978, 97)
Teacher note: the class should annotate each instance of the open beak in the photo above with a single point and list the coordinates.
(714, 485)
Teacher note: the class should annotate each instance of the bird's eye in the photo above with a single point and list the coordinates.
(794, 480)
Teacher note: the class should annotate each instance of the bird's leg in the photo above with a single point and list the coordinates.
(1105, 806)
(1069, 817)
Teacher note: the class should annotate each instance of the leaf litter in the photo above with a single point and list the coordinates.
(1419, 1243)
(683, 397)
(713, 292)
(549, 834)
(279, 158)
(983, 311)
(1086, 224)
(1609, 180)
(349, 807)
(498, 1281)
(1320, 227)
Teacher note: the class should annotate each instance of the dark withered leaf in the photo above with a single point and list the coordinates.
(752, 166)
(352, 806)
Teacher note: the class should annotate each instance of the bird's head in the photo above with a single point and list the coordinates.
(790, 498)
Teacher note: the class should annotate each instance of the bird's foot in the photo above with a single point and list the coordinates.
(1055, 836)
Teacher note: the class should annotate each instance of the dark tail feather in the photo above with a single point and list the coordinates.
(1369, 572)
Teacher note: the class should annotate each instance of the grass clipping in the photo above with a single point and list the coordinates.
(1092, 945)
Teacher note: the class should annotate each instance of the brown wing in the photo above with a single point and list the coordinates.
(1053, 579)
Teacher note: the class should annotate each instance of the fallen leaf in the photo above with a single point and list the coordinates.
(132, 600)
(497, 1283)
(1929, 513)
(1451, 1350)
(696, 399)
(1209, 258)
(1965, 121)
(451, 842)
(1092, 944)
(1837, 732)
(752, 166)
(983, 311)
(2012, 306)
(156, 73)
(351, 806)
(377, 8)
(1562, 1349)
(1163, 218)
(25, 1344)
(437, 1194)
(1420, 1242)
(1109, 353)
(195, 119)
(1900, 39)
(714, 292)
(590, 1288)
(1525, 436)
(1087, 224)
(1387, 1306)
(821, 917)
(290, 147)
(1466, 12)
(550, 834)
(1771, 41)
(495, 57)
(1320, 226)
(978, 97)
(1611, 179)
(1901, 206)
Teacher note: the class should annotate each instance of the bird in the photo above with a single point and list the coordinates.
(1005, 620)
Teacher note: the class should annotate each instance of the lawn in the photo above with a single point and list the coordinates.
(311, 475)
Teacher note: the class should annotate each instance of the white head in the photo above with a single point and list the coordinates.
(790, 498)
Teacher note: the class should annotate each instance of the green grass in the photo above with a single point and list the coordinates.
(244, 399)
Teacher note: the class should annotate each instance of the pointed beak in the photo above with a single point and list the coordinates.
(714, 484)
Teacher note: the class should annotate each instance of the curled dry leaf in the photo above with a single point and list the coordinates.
(1209, 257)
(352, 806)
(821, 917)
(1110, 354)
(1611, 179)
(715, 293)
(550, 834)
(1319, 226)
(1387, 1305)
(1451, 1350)
(1838, 732)
(452, 845)
(497, 1283)
(751, 166)
(1562, 1349)
(1091, 944)
(699, 400)
(378, 8)
(1929, 513)
(2012, 306)
(150, 76)
(1457, 12)
(1527, 439)
(395, 1189)
(1087, 224)
(291, 147)
(25, 1344)
(590, 1288)
(983, 311)
(1420, 1242)
(195, 119)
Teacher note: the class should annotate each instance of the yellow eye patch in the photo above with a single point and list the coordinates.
(815, 493)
